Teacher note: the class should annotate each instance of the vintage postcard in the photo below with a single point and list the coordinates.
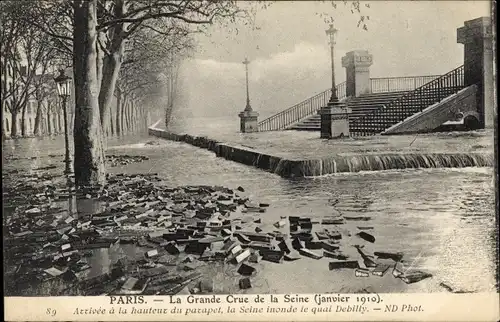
(249, 160)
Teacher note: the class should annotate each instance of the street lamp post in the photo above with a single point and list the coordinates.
(64, 90)
(330, 32)
(335, 115)
(247, 107)
(248, 118)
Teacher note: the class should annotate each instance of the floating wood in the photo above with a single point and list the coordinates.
(380, 270)
(397, 257)
(366, 236)
(310, 253)
(343, 264)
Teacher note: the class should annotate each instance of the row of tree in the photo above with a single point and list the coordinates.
(135, 63)
(124, 54)
(128, 49)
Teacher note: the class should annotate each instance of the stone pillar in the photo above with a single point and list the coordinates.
(334, 121)
(248, 121)
(357, 64)
(476, 35)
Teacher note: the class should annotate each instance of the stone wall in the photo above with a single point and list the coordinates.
(451, 108)
(331, 164)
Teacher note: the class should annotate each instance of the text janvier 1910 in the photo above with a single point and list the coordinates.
(235, 299)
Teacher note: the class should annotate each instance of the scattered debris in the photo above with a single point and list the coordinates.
(310, 253)
(397, 257)
(120, 160)
(343, 264)
(280, 224)
(361, 272)
(177, 230)
(380, 270)
(244, 283)
(246, 270)
(415, 276)
(357, 218)
(366, 236)
(332, 221)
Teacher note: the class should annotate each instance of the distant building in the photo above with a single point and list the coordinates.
(12, 73)
(43, 95)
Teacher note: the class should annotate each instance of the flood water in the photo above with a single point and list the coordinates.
(443, 220)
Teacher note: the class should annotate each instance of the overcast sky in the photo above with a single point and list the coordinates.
(290, 52)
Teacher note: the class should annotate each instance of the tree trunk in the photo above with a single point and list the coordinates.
(123, 113)
(110, 71)
(59, 125)
(169, 97)
(23, 120)
(118, 112)
(129, 120)
(54, 122)
(111, 123)
(112, 63)
(89, 160)
(13, 124)
(132, 114)
(49, 127)
(38, 118)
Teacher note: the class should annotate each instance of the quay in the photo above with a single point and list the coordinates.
(293, 154)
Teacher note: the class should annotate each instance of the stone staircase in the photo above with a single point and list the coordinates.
(409, 103)
(360, 106)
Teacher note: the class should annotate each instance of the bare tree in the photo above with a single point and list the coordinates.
(151, 60)
(46, 99)
(87, 132)
(121, 19)
(26, 53)
(98, 31)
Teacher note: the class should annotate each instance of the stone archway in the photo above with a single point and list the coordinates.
(472, 122)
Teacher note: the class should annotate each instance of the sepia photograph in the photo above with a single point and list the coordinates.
(233, 148)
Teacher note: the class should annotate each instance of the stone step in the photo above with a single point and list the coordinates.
(306, 128)
(383, 94)
(373, 100)
(367, 114)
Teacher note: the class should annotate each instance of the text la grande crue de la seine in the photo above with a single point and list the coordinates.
(318, 299)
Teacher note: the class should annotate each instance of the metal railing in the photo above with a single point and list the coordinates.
(300, 111)
(399, 84)
(310, 106)
(409, 104)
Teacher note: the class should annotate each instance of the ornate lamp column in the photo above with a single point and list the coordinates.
(248, 118)
(334, 116)
(63, 83)
(247, 107)
(330, 32)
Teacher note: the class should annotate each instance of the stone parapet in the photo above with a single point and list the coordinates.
(335, 163)
(476, 36)
(454, 108)
(357, 64)
(249, 121)
(472, 29)
(335, 121)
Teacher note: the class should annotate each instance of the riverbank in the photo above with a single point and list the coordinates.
(303, 154)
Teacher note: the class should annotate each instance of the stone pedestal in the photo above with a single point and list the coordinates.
(476, 35)
(248, 121)
(357, 64)
(334, 121)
